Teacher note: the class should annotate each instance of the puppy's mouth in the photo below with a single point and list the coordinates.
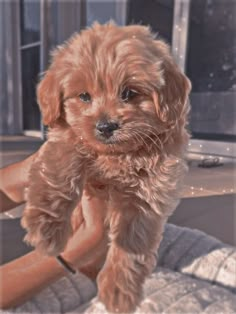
(106, 139)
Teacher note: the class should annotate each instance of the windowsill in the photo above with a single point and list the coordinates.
(218, 180)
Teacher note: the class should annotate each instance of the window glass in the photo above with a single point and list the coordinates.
(156, 13)
(30, 21)
(101, 11)
(211, 62)
(30, 71)
(211, 66)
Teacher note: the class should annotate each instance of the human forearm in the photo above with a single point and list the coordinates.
(13, 180)
(6, 203)
(27, 276)
(34, 271)
(37, 271)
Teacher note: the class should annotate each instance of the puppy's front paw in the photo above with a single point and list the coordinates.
(116, 293)
(48, 234)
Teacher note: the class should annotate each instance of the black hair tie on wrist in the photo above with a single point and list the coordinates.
(65, 264)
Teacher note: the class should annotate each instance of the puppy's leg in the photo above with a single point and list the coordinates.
(135, 235)
(55, 187)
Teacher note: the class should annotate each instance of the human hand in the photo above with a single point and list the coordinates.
(87, 247)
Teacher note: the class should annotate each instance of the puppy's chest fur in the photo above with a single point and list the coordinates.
(120, 172)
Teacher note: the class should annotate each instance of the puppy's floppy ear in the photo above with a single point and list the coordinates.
(49, 98)
(173, 105)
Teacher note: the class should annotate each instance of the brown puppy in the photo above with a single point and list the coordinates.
(116, 104)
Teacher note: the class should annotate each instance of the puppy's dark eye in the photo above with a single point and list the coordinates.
(85, 97)
(128, 94)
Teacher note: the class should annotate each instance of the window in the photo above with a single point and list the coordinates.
(156, 13)
(30, 61)
(30, 21)
(211, 66)
(211, 63)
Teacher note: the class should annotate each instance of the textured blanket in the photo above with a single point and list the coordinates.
(195, 274)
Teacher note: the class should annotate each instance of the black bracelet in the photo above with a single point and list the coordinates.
(65, 264)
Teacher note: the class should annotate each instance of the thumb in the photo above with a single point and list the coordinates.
(77, 217)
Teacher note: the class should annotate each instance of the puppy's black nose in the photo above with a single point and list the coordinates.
(106, 128)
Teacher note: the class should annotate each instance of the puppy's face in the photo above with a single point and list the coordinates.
(117, 88)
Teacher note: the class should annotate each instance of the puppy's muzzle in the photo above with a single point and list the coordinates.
(106, 128)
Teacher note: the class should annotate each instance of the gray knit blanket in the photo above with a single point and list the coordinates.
(196, 273)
